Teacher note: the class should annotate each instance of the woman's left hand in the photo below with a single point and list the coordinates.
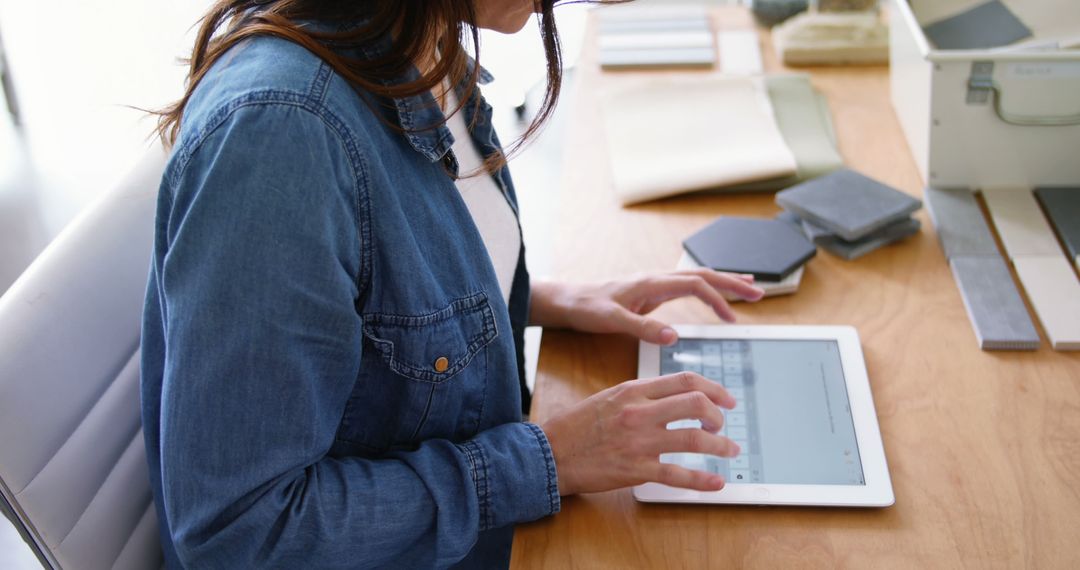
(621, 306)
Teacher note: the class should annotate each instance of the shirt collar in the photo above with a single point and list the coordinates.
(423, 120)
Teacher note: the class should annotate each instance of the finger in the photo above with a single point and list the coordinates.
(647, 329)
(683, 478)
(681, 382)
(687, 406)
(673, 286)
(741, 284)
(695, 441)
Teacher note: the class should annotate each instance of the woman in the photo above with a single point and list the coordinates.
(332, 332)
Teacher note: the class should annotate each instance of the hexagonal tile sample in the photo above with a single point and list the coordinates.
(767, 249)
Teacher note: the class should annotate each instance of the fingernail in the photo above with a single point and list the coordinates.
(737, 450)
(729, 402)
(668, 335)
(716, 481)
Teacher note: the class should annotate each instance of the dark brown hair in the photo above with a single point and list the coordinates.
(415, 28)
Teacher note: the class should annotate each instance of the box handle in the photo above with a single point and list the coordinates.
(982, 88)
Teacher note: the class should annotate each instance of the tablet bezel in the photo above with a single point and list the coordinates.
(877, 492)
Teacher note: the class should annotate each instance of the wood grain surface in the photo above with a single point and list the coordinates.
(983, 447)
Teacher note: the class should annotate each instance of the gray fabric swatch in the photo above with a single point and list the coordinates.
(961, 227)
(993, 304)
(855, 249)
(848, 204)
(1062, 206)
(985, 26)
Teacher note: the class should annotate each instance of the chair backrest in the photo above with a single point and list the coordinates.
(72, 460)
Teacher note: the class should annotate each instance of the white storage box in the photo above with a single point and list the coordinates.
(985, 118)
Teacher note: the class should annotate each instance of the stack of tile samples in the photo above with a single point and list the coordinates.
(632, 37)
(849, 214)
(770, 250)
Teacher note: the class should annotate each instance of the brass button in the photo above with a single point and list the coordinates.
(441, 364)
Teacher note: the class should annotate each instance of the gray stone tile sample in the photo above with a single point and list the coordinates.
(994, 306)
(848, 204)
(961, 227)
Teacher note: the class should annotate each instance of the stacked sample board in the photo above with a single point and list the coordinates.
(849, 214)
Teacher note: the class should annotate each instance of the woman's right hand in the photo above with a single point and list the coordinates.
(614, 438)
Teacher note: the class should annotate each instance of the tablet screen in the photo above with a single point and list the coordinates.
(793, 419)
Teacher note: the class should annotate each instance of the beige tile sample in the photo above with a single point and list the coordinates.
(1053, 289)
(1020, 223)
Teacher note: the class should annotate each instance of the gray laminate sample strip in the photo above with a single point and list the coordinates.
(993, 304)
(960, 224)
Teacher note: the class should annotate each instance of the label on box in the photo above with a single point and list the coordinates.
(1044, 70)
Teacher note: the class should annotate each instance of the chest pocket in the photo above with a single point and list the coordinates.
(433, 347)
(404, 392)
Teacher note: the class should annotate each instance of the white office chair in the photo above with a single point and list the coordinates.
(72, 461)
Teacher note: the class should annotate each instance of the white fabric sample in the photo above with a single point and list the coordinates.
(740, 53)
(669, 135)
(489, 208)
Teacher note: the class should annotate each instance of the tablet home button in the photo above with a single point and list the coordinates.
(762, 493)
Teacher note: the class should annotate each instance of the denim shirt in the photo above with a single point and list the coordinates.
(330, 376)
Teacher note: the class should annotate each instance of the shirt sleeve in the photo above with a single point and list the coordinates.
(262, 349)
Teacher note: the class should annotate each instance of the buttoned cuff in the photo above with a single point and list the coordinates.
(513, 472)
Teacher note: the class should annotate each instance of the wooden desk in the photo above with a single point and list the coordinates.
(983, 447)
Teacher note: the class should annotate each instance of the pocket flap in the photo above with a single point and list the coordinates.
(433, 347)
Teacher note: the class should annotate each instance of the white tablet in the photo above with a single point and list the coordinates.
(805, 418)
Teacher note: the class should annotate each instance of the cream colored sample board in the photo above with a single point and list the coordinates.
(1020, 223)
(1054, 291)
(671, 134)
